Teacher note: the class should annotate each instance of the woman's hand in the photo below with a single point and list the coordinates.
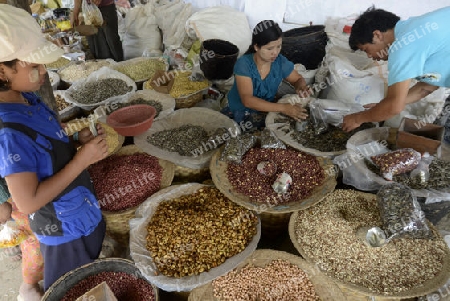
(93, 151)
(295, 111)
(85, 135)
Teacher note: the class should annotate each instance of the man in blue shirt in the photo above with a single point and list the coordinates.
(416, 48)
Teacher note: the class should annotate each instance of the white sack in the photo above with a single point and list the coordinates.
(220, 22)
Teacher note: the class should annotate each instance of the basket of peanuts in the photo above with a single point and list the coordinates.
(270, 275)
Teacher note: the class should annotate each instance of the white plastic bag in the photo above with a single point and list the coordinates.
(92, 14)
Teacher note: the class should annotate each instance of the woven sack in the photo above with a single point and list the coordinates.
(325, 288)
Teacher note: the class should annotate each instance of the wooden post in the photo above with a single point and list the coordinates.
(46, 90)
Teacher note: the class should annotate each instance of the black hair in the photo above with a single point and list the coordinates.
(264, 32)
(4, 85)
(372, 19)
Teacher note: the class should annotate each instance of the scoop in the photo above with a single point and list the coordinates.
(373, 237)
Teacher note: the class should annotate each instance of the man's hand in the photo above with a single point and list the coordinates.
(351, 122)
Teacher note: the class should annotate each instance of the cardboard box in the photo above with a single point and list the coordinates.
(423, 137)
(162, 81)
(101, 292)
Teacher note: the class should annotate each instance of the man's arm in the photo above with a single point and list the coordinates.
(419, 91)
(391, 105)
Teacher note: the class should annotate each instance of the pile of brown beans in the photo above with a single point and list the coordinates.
(304, 169)
(279, 280)
(125, 287)
(125, 181)
(197, 232)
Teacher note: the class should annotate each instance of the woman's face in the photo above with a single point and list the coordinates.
(24, 77)
(270, 51)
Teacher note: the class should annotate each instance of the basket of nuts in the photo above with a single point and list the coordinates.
(186, 235)
(123, 181)
(121, 275)
(328, 235)
(141, 69)
(266, 273)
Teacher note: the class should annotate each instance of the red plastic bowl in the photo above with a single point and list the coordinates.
(132, 120)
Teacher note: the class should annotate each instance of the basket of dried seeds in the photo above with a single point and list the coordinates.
(187, 92)
(66, 110)
(76, 71)
(187, 137)
(141, 69)
(98, 88)
(304, 137)
(270, 275)
(186, 235)
(327, 235)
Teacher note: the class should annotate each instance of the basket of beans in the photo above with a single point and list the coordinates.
(333, 236)
(186, 235)
(121, 275)
(270, 275)
(273, 181)
(124, 181)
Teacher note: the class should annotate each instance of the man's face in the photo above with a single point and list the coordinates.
(376, 51)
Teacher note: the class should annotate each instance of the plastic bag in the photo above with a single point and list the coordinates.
(421, 174)
(92, 14)
(396, 162)
(317, 117)
(400, 213)
(269, 140)
(236, 148)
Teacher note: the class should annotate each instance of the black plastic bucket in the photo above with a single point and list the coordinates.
(217, 59)
(305, 45)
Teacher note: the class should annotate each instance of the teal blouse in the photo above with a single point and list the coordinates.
(262, 88)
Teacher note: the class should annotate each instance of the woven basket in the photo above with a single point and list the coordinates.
(58, 289)
(188, 175)
(218, 171)
(359, 293)
(325, 288)
(190, 100)
(117, 223)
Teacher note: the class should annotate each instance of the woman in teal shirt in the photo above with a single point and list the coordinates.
(258, 74)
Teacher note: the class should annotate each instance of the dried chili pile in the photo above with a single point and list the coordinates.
(304, 169)
(125, 181)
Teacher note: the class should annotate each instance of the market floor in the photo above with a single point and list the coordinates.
(438, 214)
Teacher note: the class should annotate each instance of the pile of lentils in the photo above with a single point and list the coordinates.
(98, 91)
(138, 101)
(304, 169)
(184, 140)
(125, 287)
(327, 235)
(125, 181)
(280, 280)
(194, 233)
